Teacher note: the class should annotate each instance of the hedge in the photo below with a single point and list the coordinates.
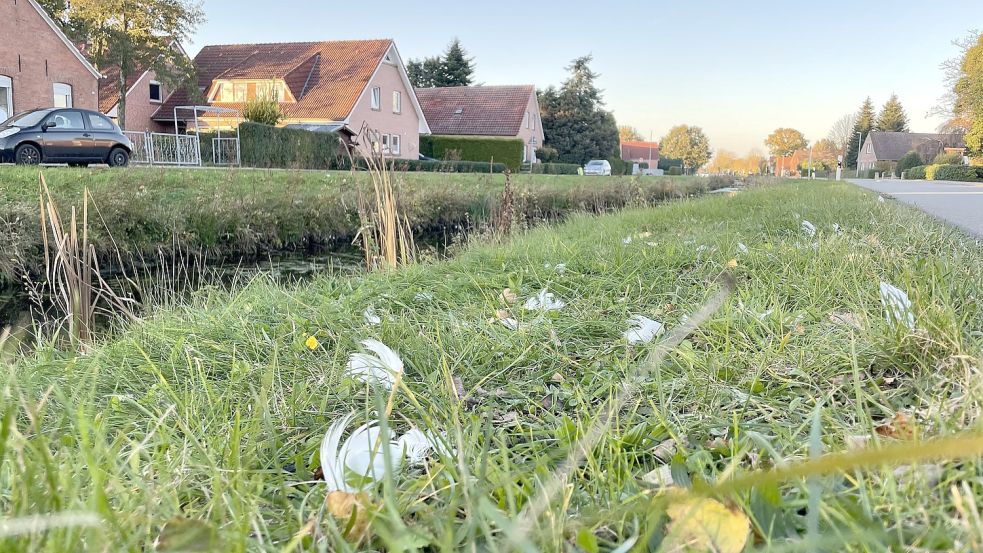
(277, 147)
(956, 172)
(555, 169)
(916, 173)
(930, 171)
(467, 148)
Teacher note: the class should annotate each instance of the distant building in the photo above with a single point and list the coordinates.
(39, 66)
(891, 146)
(145, 93)
(487, 112)
(636, 151)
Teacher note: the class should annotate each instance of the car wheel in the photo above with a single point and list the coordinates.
(118, 158)
(27, 154)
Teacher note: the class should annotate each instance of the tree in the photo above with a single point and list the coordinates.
(263, 110)
(629, 133)
(453, 68)
(784, 142)
(686, 143)
(957, 119)
(841, 132)
(135, 36)
(907, 161)
(574, 121)
(55, 8)
(969, 96)
(863, 125)
(892, 117)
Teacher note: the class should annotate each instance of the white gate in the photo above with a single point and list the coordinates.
(225, 151)
(174, 149)
(141, 146)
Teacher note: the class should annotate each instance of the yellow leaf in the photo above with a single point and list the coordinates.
(312, 343)
(732, 264)
(704, 524)
(350, 510)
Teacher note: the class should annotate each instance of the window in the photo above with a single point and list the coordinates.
(525, 154)
(6, 98)
(67, 120)
(156, 94)
(394, 144)
(239, 91)
(525, 120)
(397, 102)
(870, 148)
(63, 95)
(99, 123)
(385, 143)
(376, 98)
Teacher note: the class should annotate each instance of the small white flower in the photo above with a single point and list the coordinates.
(544, 301)
(371, 317)
(642, 330)
(627, 240)
(808, 228)
(897, 306)
(359, 454)
(741, 247)
(380, 368)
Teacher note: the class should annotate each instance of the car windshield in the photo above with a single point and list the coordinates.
(28, 119)
(595, 164)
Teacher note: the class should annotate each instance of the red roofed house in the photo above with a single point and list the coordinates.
(145, 93)
(487, 112)
(636, 151)
(320, 86)
(39, 66)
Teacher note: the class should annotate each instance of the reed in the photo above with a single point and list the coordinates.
(385, 231)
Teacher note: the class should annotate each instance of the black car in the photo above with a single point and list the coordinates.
(77, 137)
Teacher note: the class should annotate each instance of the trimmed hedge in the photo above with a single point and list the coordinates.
(956, 172)
(267, 147)
(555, 169)
(499, 150)
(916, 173)
(930, 171)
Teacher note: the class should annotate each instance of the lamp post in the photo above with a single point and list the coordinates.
(860, 146)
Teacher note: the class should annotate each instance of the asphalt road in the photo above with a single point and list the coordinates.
(959, 203)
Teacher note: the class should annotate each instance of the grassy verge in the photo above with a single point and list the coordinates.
(224, 214)
(214, 412)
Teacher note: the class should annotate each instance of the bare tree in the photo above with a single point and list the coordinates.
(952, 71)
(842, 132)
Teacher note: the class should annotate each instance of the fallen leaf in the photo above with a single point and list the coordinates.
(845, 319)
(350, 510)
(665, 450)
(312, 343)
(508, 296)
(502, 316)
(661, 477)
(704, 524)
(900, 427)
(557, 377)
(856, 442)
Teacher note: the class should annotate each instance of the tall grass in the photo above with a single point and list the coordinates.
(386, 234)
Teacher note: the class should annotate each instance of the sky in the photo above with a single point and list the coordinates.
(738, 69)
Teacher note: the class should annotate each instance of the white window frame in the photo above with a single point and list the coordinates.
(870, 148)
(8, 84)
(376, 100)
(525, 120)
(394, 144)
(59, 90)
(525, 153)
(397, 102)
(385, 143)
(160, 90)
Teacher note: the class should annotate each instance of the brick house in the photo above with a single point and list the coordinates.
(486, 112)
(145, 93)
(633, 151)
(889, 147)
(331, 85)
(39, 65)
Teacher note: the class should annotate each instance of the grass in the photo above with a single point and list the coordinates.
(208, 416)
(228, 214)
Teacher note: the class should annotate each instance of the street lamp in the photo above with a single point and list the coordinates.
(860, 146)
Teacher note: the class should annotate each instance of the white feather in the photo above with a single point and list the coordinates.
(544, 301)
(359, 454)
(808, 228)
(897, 306)
(380, 368)
(371, 317)
(642, 330)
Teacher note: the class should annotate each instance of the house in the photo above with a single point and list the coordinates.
(889, 147)
(351, 84)
(486, 112)
(39, 65)
(145, 93)
(637, 151)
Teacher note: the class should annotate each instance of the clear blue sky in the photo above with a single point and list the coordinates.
(737, 68)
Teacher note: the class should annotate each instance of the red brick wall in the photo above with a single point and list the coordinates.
(35, 58)
(139, 108)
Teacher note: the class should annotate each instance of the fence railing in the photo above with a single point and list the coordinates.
(153, 148)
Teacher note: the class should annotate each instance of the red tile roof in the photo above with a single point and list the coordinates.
(326, 78)
(109, 87)
(633, 150)
(475, 110)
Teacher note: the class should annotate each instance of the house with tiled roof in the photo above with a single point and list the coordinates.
(39, 66)
(486, 112)
(359, 85)
(889, 147)
(145, 93)
(638, 151)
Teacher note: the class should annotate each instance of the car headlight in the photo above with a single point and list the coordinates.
(9, 132)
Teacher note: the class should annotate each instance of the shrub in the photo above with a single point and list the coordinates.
(930, 171)
(956, 172)
(946, 158)
(909, 160)
(884, 167)
(263, 110)
(619, 167)
(499, 150)
(675, 170)
(274, 147)
(555, 169)
(916, 173)
(547, 154)
(871, 173)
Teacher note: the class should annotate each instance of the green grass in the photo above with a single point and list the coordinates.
(195, 412)
(226, 214)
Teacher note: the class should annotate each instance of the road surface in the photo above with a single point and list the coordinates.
(959, 203)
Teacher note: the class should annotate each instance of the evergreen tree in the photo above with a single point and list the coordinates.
(893, 117)
(863, 125)
(453, 68)
(574, 121)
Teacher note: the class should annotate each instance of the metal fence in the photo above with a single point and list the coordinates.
(180, 149)
(225, 151)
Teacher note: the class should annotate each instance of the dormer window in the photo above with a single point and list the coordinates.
(241, 91)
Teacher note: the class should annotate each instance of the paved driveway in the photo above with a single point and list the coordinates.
(959, 203)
